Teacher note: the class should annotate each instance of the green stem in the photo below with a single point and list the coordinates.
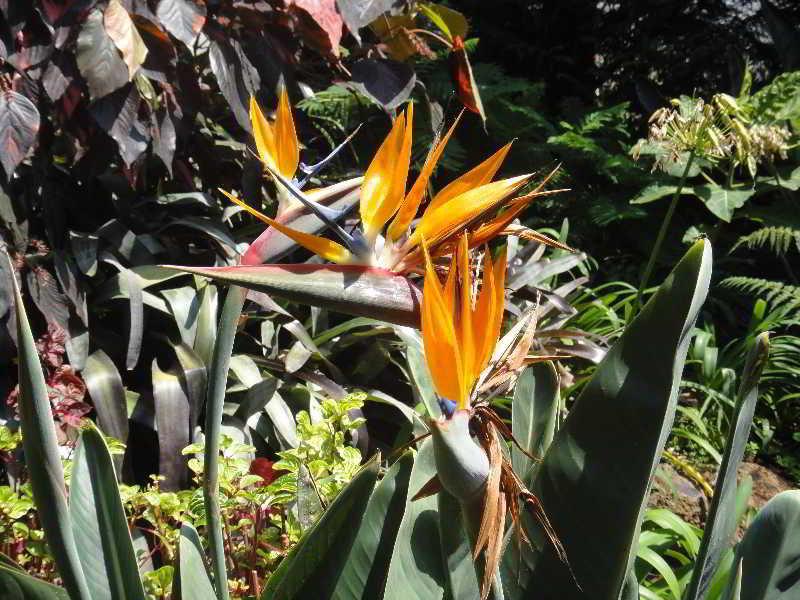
(662, 232)
(215, 400)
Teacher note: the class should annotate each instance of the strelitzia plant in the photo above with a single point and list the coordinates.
(460, 331)
(380, 254)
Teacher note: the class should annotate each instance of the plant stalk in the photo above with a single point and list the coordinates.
(662, 232)
(215, 400)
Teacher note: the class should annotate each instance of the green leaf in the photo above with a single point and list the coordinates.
(420, 377)
(99, 524)
(770, 550)
(416, 570)
(351, 289)
(721, 201)
(462, 577)
(191, 578)
(534, 414)
(656, 191)
(661, 566)
(43, 458)
(596, 475)
(312, 567)
(721, 522)
(18, 585)
(365, 569)
(172, 410)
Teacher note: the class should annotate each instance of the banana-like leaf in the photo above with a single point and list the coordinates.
(99, 524)
(416, 570)
(191, 578)
(16, 584)
(595, 478)
(533, 415)
(721, 522)
(313, 566)
(770, 551)
(351, 289)
(363, 574)
(43, 457)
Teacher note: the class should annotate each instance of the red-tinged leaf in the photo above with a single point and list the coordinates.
(19, 124)
(161, 54)
(325, 30)
(272, 245)
(120, 28)
(117, 114)
(351, 289)
(98, 59)
(461, 71)
(182, 18)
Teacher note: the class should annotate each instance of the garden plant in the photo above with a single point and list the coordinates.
(342, 300)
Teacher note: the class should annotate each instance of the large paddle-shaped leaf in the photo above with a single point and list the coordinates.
(365, 569)
(770, 551)
(722, 517)
(313, 566)
(191, 578)
(533, 415)
(16, 584)
(416, 570)
(351, 289)
(43, 458)
(99, 524)
(596, 475)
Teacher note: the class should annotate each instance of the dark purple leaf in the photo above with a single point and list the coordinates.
(19, 124)
(117, 114)
(44, 292)
(238, 79)
(58, 75)
(98, 59)
(164, 140)
(360, 13)
(387, 82)
(69, 278)
(182, 18)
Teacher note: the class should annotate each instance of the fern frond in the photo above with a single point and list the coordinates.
(779, 239)
(777, 294)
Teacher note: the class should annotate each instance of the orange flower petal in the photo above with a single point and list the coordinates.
(385, 180)
(408, 209)
(478, 176)
(440, 340)
(484, 314)
(263, 136)
(327, 249)
(445, 220)
(286, 142)
(464, 320)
